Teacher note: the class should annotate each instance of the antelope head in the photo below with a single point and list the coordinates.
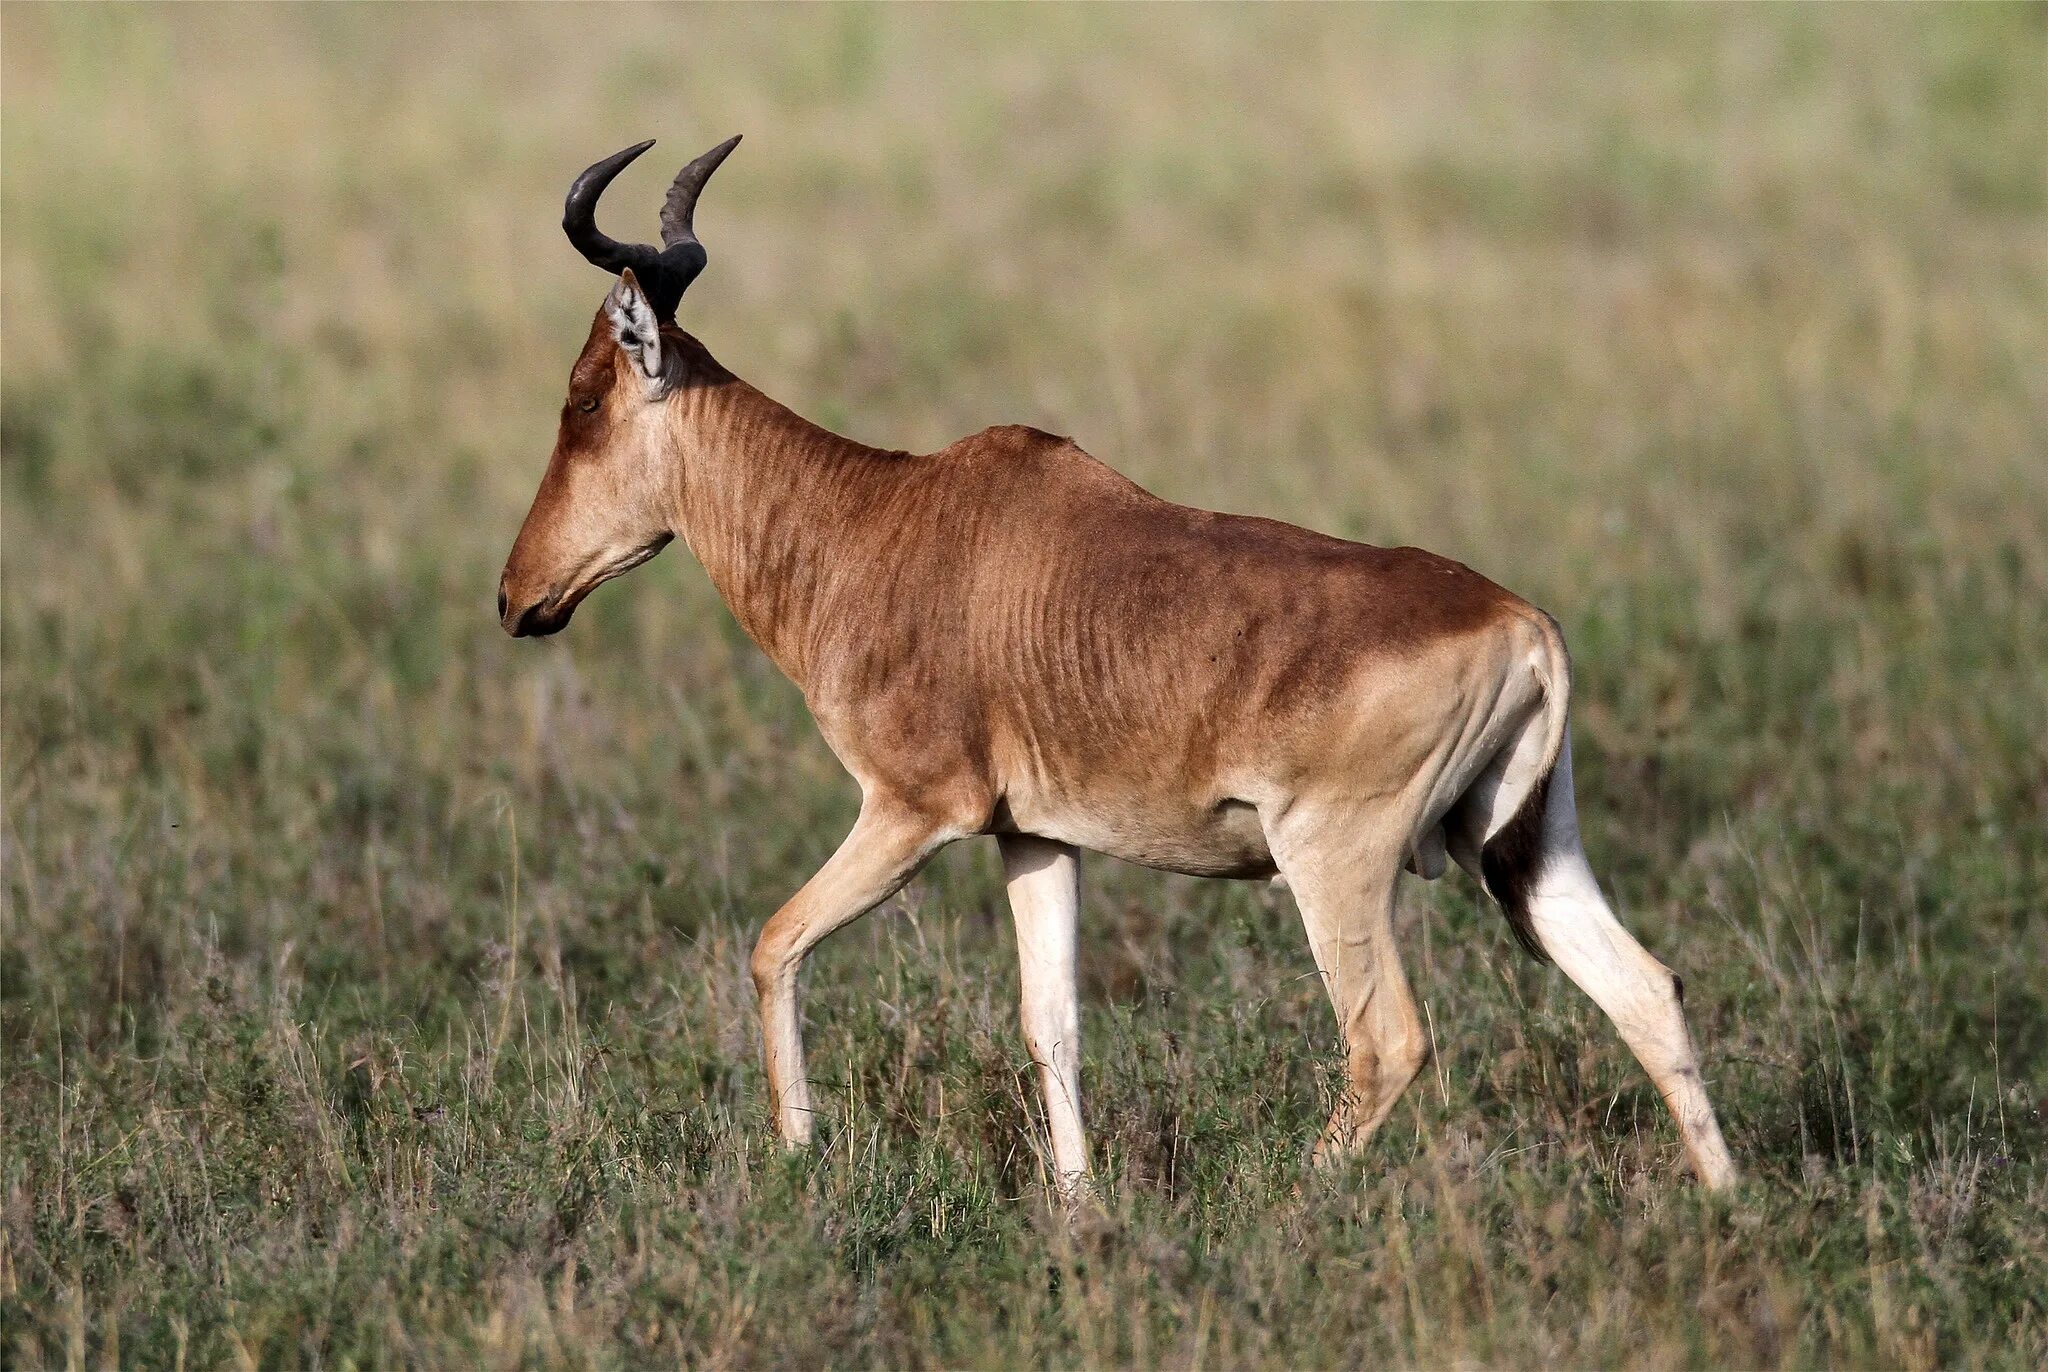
(606, 503)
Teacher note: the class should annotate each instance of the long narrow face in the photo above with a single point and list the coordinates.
(608, 499)
(605, 503)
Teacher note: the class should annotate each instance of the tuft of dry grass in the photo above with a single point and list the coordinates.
(372, 987)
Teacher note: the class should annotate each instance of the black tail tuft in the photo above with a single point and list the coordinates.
(1512, 860)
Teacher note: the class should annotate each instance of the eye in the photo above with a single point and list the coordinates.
(588, 404)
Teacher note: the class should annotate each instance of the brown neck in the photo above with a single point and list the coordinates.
(762, 499)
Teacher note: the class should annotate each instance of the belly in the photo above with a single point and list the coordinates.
(1224, 839)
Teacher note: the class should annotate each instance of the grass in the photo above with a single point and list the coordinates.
(373, 987)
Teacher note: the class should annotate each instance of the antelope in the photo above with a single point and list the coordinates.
(1007, 637)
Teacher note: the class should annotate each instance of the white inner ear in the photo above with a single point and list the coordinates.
(638, 332)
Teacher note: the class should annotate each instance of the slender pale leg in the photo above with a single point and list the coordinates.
(1344, 884)
(1045, 898)
(1640, 994)
(887, 846)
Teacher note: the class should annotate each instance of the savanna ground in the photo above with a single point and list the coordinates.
(374, 987)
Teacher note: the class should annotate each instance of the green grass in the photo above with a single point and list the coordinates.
(373, 988)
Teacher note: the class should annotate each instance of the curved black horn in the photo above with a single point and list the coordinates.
(680, 209)
(579, 216)
(665, 272)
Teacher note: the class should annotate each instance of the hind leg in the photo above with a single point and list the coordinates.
(1575, 926)
(1344, 882)
(1639, 993)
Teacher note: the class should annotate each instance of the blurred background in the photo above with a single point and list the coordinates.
(366, 971)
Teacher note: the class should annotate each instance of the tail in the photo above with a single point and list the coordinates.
(1512, 857)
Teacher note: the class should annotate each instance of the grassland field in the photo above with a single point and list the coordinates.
(373, 987)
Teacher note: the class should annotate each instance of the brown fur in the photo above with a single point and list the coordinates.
(1008, 637)
(1008, 624)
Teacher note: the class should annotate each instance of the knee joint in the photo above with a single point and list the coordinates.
(771, 963)
(1409, 1056)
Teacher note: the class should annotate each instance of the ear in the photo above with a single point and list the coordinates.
(635, 326)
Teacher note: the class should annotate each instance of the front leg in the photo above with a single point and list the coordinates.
(888, 844)
(1045, 897)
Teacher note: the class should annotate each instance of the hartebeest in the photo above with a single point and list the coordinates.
(1006, 637)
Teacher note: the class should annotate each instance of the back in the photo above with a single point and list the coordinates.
(1094, 627)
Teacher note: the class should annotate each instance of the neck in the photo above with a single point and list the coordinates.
(762, 500)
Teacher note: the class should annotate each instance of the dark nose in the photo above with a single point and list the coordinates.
(501, 602)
